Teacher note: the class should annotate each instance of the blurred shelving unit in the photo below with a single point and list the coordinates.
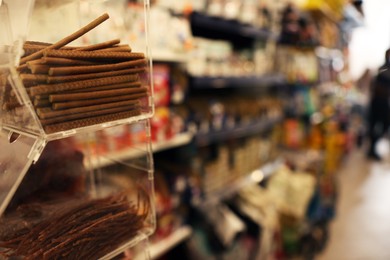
(236, 132)
(221, 28)
(133, 152)
(206, 82)
(254, 177)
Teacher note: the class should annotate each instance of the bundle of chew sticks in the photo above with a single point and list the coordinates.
(72, 87)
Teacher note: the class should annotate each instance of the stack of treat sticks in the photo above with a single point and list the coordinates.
(72, 87)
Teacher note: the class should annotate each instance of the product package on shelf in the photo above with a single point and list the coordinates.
(76, 170)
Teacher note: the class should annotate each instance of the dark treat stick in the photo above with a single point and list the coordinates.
(96, 68)
(99, 45)
(134, 84)
(38, 68)
(94, 55)
(120, 48)
(33, 79)
(65, 62)
(58, 79)
(54, 88)
(95, 94)
(101, 112)
(90, 121)
(67, 39)
(41, 103)
(89, 102)
(45, 113)
(44, 44)
(41, 97)
(22, 68)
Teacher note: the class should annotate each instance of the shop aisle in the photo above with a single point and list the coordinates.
(361, 230)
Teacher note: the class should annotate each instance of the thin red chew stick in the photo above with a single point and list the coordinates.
(67, 39)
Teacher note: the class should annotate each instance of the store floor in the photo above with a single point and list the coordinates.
(361, 230)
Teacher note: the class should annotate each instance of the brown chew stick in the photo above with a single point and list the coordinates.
(93, 55)
(33, 79)
(87, 114)
(38, 68)
(95, 68)
(58, 79)
(134, 84)
(89, 102)
(67, 39)
(90, 121)
(95, 94)
(120, 48)
(22, 67)
(41, 103)
(99, 45)
(65, 62)
(45, 113)
(54, 88)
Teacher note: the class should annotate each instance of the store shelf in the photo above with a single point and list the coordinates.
(254, 177)
(203, 139)
(178, 140)
(236, 82)
(220, 28)
(169, 56)
(160, 248)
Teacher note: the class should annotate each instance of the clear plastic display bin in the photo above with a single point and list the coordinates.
(72, 66)
(76, 169)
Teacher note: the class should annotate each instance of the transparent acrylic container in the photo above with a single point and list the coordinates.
(76, 169)
(73, 66)
(87, 196)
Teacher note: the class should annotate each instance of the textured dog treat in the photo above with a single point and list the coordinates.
(33, 79)
(120, 48)
(96, 68)
(90, 121)
(58, 79)
(76, 230)
(45, 113)
(93, 55)
(99, 45)
(134, 84)
(89, 102)
(95, 94)
(41, 103)
(67, 39)
(22, 68)
(54, 88)
(65, 62)
(94, 113)
(38, 68)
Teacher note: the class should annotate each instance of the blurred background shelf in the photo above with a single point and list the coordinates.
(169, 56)
(236, 132)
(253, 177)
(133, 152)
(236, 82)
(228, 29)
(158, 249)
